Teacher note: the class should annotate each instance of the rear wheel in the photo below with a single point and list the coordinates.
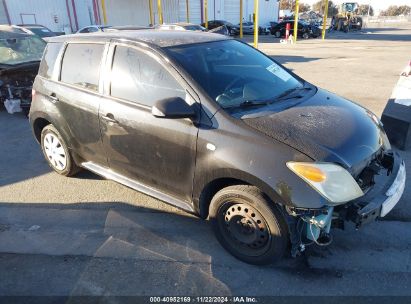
(277, 34)
(56, 152)
(248, 225)
(306, 35)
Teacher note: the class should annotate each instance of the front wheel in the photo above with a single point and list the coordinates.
(277, 34)
(249, 225)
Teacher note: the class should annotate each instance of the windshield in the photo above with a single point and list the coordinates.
(232, 72)
(20, 50)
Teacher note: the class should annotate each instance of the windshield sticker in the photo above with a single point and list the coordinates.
(279, 72)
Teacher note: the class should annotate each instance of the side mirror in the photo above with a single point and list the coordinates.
(174, 107)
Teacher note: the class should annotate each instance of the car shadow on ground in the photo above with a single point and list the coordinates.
(21, 156)
(144, 245)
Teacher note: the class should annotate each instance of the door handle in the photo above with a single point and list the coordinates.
(53, 98)
(109, 118)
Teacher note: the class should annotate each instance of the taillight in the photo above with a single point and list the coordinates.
(33, 93)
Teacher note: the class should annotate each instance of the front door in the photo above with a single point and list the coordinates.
(156, 152)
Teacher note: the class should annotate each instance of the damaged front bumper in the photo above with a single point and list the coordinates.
(309, 226)
(382, 197)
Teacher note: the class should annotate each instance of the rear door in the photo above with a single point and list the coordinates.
(156, 152)
(77, 98)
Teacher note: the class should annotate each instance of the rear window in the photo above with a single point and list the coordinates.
(81, 65)
(49, 59)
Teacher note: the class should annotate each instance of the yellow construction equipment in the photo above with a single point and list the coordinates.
(347, 17)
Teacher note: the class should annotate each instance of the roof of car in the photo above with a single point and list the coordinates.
(151, 36)
(7, 32)
(31, 25)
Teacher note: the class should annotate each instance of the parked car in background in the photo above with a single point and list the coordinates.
(31, 29)
(127, 28)
(36, 29)
(248, 29)
(181, 26)
(217, 128)
(93, 29)
(212, 24)
(20, 55)
(305, 30)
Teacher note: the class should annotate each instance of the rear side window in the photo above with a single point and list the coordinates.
(81, 65)
(138, 77)
(49, 59)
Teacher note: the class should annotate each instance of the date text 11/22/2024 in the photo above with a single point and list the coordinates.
(203, 299)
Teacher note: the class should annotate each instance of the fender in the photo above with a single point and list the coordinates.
(206, 186)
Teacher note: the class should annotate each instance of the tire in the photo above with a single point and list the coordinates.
(277, 34)
(306, 35)
(248, 225)
(56, 152)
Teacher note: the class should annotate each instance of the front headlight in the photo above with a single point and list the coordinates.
(332, 181)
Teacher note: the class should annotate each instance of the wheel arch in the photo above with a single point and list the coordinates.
(38, 126)
(40, 119)
(203, 198)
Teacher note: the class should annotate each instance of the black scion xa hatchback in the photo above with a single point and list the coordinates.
(217, 128)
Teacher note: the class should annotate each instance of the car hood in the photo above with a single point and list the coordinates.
(325, 127)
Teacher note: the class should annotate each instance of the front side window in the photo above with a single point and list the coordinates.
(138, 77)
(81, 65)
(49, 59)
(233, 73)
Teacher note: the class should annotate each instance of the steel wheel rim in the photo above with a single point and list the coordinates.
(55, 152)
(244, 228)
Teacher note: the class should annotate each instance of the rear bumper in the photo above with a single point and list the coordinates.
(382, 198)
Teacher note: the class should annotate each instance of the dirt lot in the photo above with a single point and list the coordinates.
(88, 236)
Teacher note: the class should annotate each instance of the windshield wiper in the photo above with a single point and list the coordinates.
(263, 102)
(250, 103)
(288, 93)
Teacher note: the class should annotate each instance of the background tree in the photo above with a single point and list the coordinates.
(394, 10)
(304, 7)
(290, 5)
(363, 9)
(319, 7)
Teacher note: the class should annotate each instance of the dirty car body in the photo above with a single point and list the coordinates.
(20, 56)
(238, 121)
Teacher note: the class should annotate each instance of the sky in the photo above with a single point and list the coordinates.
(378, 5)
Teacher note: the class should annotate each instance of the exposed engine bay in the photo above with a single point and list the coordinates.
(20, 56)
(16, 84)
(312, 226)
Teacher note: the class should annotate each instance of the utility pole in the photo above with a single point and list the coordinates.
(160, 12)
(150, 6)
(187, 12)
(256, 23)
(295, 33)
(241, 18)
(325, 18)
(206, 13)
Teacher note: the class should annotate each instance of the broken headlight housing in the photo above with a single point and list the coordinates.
(332, 181)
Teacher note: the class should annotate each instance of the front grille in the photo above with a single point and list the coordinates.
(382, 163)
